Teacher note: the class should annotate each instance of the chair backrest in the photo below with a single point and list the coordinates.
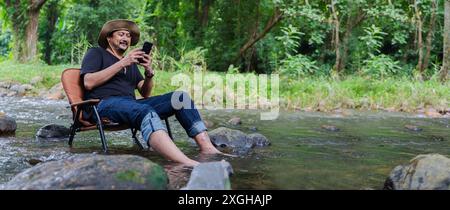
(71, 82)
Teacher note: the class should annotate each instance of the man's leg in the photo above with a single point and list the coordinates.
(161, 143)
(204, 142)
(127, 111)
(189, 117)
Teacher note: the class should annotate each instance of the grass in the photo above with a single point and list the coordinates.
(322, 94)
(354, 92)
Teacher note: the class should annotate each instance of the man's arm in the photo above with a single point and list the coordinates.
(145, 87)
(92, 80)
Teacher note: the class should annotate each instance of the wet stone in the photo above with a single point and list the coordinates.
(413, 128)
(53, 131)
(331, 128)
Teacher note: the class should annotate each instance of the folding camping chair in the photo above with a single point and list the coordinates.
(72, 85)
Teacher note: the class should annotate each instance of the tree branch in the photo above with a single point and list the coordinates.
(276, 17)
(36, 4)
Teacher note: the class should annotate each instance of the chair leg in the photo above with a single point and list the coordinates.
(168, 128)
(72, 134)
(100, 129)
(136, 140)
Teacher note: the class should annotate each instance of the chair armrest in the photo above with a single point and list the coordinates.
(90, 101)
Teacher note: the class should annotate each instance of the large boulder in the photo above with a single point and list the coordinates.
(53, 131)
(237, 140)
(424, 172)
(210, 176)
(89, 172)
(55, 93)
(7, 125)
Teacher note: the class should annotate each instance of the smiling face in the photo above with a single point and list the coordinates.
(120, 40)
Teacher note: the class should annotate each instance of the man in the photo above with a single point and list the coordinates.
(111, 76)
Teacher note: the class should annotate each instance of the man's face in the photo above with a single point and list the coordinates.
(120, 40)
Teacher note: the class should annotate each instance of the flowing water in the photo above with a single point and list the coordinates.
(303, 154)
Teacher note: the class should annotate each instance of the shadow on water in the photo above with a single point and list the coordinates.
(303, 154)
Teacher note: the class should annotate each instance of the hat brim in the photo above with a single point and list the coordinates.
(114, 25)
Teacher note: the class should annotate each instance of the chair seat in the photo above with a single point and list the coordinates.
(107, 127)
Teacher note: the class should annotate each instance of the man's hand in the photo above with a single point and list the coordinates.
(132, 57)
(149, 72)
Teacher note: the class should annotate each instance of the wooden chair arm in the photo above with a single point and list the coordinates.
(90, 101)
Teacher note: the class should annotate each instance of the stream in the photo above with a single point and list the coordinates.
(302, 155)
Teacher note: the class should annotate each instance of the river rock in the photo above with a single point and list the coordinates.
(210, 176)
(53, 131)
(89, 172)
(258, 140)
(35, 80)
(208, 124)
(424, 172)
(413, 128)
(20, 89)
(5, 85)
(330, 128)
(7, 125)
(56, 92)
(237, 140)
(432, 113)
(235, 121)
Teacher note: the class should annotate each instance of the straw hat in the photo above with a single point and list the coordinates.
(115, 25)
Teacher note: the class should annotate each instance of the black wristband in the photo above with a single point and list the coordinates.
(148, 75)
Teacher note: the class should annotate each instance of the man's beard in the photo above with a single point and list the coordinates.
(120, 50)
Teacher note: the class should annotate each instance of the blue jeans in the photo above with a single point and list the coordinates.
(146, 114)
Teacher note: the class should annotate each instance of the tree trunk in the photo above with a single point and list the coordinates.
(52, 17)
(196, 10)
(336, 36)
(419, 26)
(352, 22)
(25, 41)
(276, 17)
(16, 20)
(429, 36)
(446, 58)
(205, 12)
(253, 59)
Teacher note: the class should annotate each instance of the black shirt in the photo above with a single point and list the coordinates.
(121, 84)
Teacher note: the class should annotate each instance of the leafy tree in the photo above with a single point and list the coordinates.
(446, 61)
(24, 18)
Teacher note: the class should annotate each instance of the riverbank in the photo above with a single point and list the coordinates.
(306, 94)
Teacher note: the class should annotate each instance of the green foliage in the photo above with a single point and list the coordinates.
(79, 49)
(5, 41)
(190, 61)
(380, 66)
(298, 66)
(232, 70)
(289, 39)
(373, 40)
(212, 33)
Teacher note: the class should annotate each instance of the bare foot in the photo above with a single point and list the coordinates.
(191, 163)
(210, 151)
(214, 151)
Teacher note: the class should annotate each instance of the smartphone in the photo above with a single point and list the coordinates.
(146, 48)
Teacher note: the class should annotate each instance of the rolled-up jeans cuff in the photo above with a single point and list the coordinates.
(150, 124)
(196, 128)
